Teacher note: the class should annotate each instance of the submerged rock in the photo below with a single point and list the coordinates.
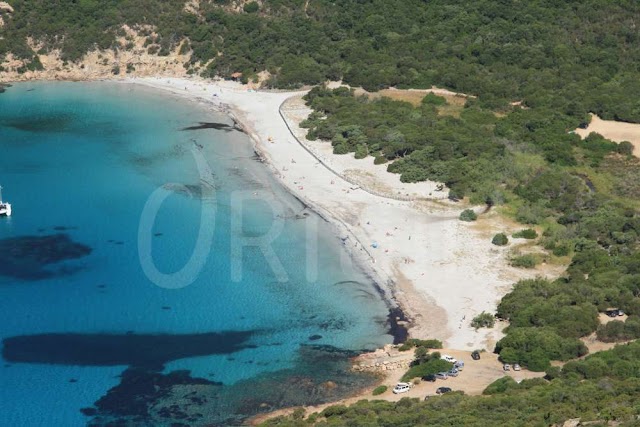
(27, 257)
(138, 350)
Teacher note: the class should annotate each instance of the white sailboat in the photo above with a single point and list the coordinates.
(5, 208)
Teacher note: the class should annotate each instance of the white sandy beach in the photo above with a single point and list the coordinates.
(443, 271)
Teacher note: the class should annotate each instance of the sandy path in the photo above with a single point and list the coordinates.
(442, 270)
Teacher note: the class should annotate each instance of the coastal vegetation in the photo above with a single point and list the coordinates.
(412, 343)
(526, 162)
(379, 390)
(602, 389)
(483, 320)
(500, 239)
(570, 57)
(468, 215)
(426, 363)
(527, 233)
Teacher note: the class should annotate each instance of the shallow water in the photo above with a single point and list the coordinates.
(113, 186)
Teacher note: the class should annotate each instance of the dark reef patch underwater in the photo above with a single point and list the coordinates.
(27, 257)
(148, 351)
(147, 398)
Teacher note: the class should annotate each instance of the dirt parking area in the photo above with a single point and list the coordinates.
(475, 377)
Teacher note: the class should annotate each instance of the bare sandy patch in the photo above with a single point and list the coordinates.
(615, 131)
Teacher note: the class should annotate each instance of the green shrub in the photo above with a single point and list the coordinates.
(251, 7)
(500, 386)
(620, 331)
(468, 215)
(361, 152)
(379, 160)
(433, 99)
(341, 149)
(185, 48)
(524, 261)
(536, 347)
(625, 148)
(483, 320)
(379, 390)
(432, 366)
(528, 233)
(334, 410)
(561, 249)
(413, 342)
(500, 239)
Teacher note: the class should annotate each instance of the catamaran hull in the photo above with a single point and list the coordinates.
(5, 210)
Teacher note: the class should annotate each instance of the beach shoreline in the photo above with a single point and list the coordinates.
(382, 283)
(440, 271)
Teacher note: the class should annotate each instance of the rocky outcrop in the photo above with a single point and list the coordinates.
(5, 7)
(130, 59)
(388, 358)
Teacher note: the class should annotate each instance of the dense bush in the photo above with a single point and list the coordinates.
(379, 390)
(583, 58)
(430, 366)
(483, 320)
(527, 233)
(524, 261)
(536, 347)
(468, 215)
(500, 239)
(426, 344)
(620, 331)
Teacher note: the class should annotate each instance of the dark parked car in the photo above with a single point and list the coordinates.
(475, 355)
(430, 378)
(443, 390)
(614, 313)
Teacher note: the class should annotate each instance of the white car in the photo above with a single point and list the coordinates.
(448, 358)
(506, 367)
(401, 388)
(516, 367)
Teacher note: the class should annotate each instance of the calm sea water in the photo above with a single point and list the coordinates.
(79, 162)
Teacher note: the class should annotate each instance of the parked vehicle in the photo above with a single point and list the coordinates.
(459, 365)
(430, 378)
(401, 388)
(475, 355)
(516, 367)
(441, 375)
(614, 313)
(448, 358)
(453, 373)
(443, 390)
(506, 367)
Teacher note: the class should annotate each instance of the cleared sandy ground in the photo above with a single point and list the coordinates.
(615, 131)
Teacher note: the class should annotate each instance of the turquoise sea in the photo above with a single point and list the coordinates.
(112, 187)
